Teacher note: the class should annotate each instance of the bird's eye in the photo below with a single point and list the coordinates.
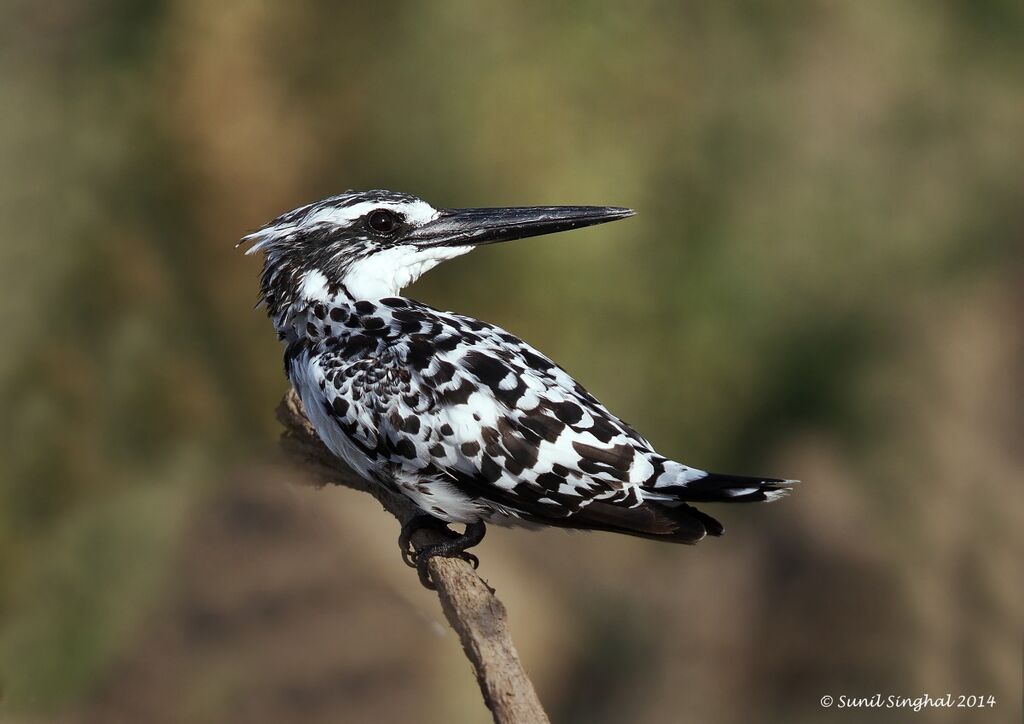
(383, 221)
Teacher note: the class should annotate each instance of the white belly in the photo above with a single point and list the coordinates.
(306, 380)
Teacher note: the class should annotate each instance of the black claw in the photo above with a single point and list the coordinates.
(409, 528)
(424, 574)
(455, 547)
(407, 557)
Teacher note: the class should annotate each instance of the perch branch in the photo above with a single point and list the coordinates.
(470, 605)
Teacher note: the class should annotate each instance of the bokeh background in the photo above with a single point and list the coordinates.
(823, 281)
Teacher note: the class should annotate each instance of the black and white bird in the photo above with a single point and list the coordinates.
(469, 421)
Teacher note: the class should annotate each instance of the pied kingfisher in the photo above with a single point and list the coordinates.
(466, 419)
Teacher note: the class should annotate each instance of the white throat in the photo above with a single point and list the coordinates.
(386, 273)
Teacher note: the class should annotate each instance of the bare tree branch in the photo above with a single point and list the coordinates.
(470, 605)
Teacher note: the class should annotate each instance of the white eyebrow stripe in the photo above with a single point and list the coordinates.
(416, 212)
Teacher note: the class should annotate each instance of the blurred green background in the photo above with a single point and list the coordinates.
(823, 281)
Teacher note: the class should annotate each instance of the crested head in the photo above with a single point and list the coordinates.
(372, 244)
(352, 241)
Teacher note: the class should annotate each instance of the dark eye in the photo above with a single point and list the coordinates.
(383, 221)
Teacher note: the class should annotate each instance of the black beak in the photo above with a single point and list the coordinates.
(470, 227)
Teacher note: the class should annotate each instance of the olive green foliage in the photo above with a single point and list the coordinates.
(822, 281)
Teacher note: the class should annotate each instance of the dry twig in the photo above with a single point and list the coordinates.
(470, 605)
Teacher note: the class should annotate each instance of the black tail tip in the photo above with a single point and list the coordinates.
(721, 488)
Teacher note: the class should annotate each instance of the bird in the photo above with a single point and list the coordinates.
(467, 420)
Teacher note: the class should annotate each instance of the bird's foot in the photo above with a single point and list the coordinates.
(455, 547)
(417, 523)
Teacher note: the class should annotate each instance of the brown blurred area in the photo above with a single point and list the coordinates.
(823, 282)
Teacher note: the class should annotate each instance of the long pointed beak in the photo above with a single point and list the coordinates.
(471, 227)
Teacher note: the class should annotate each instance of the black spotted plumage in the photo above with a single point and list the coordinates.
(464, 418)
(495, 414)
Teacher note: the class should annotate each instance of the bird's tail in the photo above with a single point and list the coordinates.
(668, 501)
(665, 512)
(699, 487)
